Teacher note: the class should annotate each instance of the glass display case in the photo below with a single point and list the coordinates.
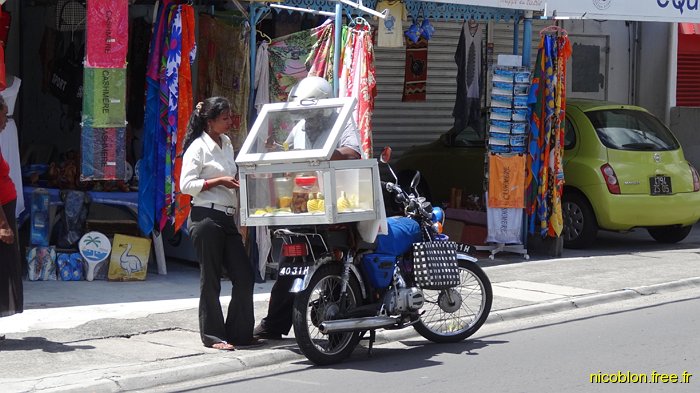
(287, 177)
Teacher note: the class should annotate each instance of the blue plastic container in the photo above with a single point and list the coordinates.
(40, 228)
(379, 269)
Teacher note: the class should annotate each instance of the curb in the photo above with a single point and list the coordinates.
(123, 379)
(590, 300)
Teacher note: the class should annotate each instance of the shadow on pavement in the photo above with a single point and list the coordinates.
(39, 343)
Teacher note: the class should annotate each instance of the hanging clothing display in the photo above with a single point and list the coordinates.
(467, 109)
(320, 59)
(262, 76)
(415, 80)
(171, 71)
(151, 136)
(506, 181)
(161, 118)
(358, 61)
(546, 109)
(504, 225)
(9, 142)
(181, 208)
(223, 69)
(288, 56)
(107, 38)
(390, 29)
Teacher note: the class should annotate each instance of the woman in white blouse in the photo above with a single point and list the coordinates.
(209, 176)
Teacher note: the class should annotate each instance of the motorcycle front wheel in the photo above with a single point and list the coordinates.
(321, 301)
(451, 315)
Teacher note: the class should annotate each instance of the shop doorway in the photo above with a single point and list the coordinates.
(587, 69)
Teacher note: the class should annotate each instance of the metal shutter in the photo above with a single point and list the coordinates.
(404, 124)
(688, 75)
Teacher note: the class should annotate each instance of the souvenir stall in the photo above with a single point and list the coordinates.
(471, 90)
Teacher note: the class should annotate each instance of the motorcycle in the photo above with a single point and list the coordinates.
(345, 288)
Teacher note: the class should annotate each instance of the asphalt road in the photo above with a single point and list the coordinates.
(648, 337)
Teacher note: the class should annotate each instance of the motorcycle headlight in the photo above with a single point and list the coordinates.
(438, 215)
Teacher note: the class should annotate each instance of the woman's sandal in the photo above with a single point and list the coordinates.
(223, 346)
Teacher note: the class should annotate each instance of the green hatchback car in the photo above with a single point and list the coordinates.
(623, 169)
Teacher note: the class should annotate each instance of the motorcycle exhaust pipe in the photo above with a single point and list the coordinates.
(355, 324)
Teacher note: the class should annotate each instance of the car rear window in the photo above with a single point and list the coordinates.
(626, 129)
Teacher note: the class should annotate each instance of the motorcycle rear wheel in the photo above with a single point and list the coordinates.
(451, 315)
(319, 302)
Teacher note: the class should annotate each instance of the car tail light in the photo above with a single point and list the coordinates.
(610, 179)
(696, 178)
(295, 250)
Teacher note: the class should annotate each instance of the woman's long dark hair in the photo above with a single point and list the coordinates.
(210, 109)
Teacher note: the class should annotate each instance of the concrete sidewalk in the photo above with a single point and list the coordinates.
(110, 336)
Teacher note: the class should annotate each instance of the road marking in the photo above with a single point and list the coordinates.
(536, 292)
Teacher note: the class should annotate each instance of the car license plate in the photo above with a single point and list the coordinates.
(292, 270)
(660, 185)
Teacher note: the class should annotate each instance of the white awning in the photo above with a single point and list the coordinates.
(633, 10)
(530, 5)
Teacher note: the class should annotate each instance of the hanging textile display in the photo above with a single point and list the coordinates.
(151, 136)
(467, 109)
(320, 59)
(506, 180)
(415, 80)
(158, 196)
(169, 91)
(546, 107)
(104, 97)
(223, 69)
(103, 153)
(288, 56)
(390, 33)
(108, 28)
(184, 109)
(103, 136)
(262, 76)
(504, 225)
(357, 80)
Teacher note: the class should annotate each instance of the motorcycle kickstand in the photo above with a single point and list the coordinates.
(372, 338)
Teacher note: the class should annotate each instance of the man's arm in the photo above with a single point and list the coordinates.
(345, 153)
(349, 145)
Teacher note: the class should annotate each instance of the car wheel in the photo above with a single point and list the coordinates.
(669, 234)
(580, 225)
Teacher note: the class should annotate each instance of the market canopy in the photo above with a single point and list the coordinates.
(633, 10)
(526, 5)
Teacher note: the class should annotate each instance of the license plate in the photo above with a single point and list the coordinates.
(292, 270)
(660, 185)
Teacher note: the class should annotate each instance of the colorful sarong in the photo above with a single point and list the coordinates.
(223, 70)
